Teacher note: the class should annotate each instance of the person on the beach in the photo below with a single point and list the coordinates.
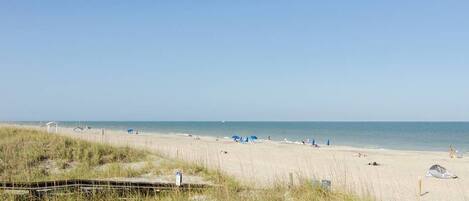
(361, 155)
(452, 152)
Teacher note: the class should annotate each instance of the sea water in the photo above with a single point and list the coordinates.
(431, 136)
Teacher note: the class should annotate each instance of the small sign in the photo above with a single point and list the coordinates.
(326, 184)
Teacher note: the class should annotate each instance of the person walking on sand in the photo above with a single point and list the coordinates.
(452, 152)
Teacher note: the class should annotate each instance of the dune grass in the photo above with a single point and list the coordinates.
(31, 155)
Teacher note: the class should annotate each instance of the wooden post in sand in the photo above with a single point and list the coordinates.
(420, 186)
(102, 135)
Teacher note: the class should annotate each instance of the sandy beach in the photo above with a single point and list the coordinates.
(266, 162)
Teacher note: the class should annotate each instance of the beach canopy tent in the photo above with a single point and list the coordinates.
(52, 124)
(130, 130)
(252, 138)
(440, 172)
(244, 139)
(235, 137)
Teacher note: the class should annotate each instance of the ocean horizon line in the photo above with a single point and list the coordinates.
(257, 121)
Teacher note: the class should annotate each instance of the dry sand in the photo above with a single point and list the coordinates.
(265, 163)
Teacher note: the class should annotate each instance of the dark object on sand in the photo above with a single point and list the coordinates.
(374, 163)
(326, 184)
(440, 172)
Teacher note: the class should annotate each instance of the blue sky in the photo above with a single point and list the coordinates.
(234, 60)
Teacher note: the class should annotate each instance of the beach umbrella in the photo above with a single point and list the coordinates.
(235, 137)
(254, 137)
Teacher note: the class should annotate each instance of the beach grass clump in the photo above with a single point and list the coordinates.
(303, 192)
(30, 155)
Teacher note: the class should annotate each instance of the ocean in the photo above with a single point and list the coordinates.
(428, 136)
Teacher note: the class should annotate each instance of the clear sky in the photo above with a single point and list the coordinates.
(234, 60)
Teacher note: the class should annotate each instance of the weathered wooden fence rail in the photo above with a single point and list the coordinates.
(41, 187)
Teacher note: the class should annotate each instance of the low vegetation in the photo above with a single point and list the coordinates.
(31, 155)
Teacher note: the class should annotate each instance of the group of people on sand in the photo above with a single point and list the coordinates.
(307, 142)
(313, 142)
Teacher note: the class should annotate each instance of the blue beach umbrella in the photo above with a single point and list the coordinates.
(236, 138)
(254, 137)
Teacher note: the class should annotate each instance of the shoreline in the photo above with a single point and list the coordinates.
(182, 134)
(267, 163)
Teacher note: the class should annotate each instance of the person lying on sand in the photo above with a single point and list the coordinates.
(361, 155)
(374, 163)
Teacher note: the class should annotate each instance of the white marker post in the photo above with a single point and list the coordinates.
(178, 178)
